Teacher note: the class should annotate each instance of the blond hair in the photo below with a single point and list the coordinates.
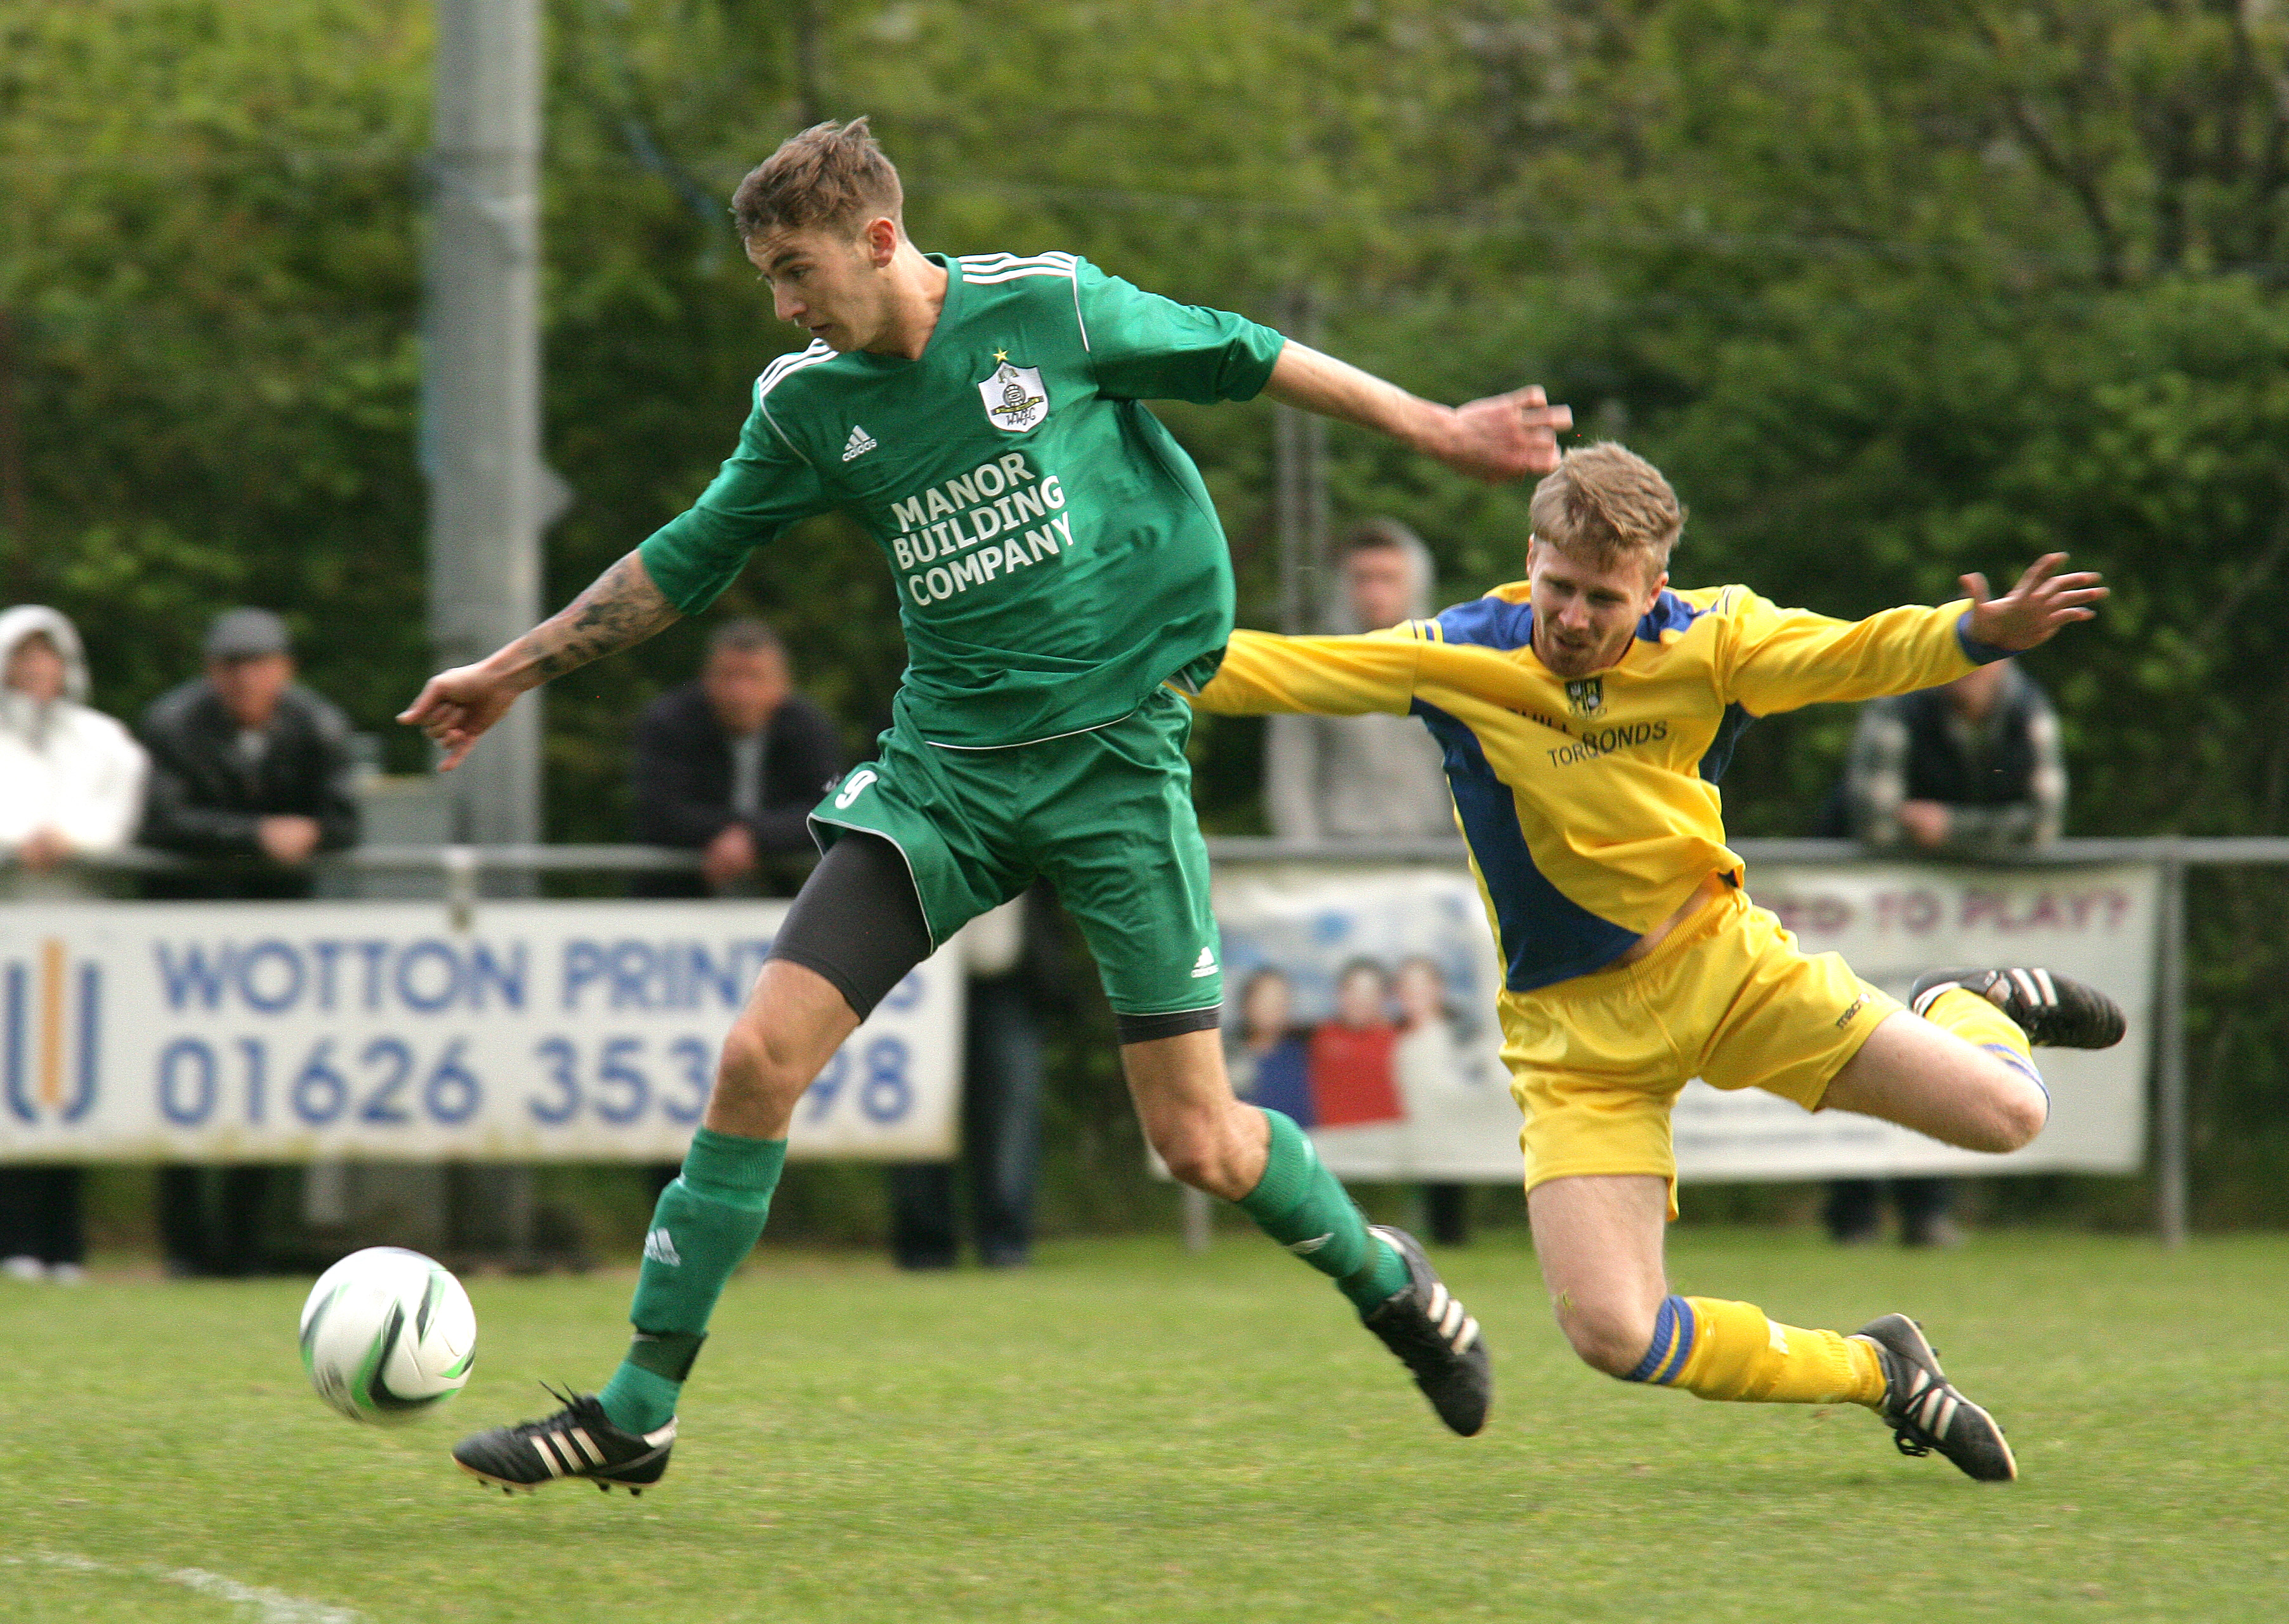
(1605, 500)
(830, 175)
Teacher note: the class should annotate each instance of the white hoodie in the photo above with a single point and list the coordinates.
(63, 766)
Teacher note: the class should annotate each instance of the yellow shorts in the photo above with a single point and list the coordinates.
(1597, 1062)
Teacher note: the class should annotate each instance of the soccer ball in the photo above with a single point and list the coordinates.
(388, 1335)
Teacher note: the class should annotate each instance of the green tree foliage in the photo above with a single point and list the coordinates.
(1893, 288)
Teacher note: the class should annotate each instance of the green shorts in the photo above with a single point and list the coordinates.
(1105, 817)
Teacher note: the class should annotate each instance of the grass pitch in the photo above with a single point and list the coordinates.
(1127, 1433)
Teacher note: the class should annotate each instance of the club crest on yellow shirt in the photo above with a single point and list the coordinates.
(1586, 695)
(1014, 398)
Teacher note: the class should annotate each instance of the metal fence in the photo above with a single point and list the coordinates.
(462, 871)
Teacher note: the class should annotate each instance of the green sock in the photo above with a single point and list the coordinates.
(1298, 1203)
(706, 1222)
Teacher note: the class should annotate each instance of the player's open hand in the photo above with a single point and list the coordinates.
(456, 706)
(2032, 611)
(1506, 437)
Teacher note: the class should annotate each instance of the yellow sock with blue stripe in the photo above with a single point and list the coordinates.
(1975, 1020)
(1718, 1350)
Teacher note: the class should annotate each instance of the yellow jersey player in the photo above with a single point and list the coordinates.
(1586, 713)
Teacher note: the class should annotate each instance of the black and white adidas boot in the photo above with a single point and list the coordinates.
(2055, 1011)
(1926, 1411)
(578, 1441)
(1434, 1335)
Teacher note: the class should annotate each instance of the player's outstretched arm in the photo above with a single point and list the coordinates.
(621, 608)
(1502, 438)
(2034, 611)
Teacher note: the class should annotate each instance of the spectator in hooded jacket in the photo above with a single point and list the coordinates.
(71, 786)
(71, 779)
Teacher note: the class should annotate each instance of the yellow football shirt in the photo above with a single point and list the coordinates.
(1590, 805)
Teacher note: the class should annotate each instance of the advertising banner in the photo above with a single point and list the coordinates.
(1361, 1002)
(544, 1031)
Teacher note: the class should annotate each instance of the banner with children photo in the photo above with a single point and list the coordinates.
(1362, 1003)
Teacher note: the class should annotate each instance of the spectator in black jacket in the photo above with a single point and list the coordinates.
(731, 766)
(250, 774)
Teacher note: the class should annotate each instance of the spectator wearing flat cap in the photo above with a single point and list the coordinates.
(251, 776)
(251, 772)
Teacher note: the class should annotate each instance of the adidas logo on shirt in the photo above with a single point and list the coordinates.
(859, 444)
(1205, 964)
(659, 1248)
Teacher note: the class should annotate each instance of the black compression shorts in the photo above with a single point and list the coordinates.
(859, 923)
(856, 922)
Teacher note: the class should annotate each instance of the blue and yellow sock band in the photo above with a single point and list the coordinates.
(1673, 1343)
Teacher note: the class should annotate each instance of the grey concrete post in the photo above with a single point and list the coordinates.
(489, 493)
(481, 386)
(2170, 1179)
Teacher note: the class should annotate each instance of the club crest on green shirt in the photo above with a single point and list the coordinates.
(1014, 398)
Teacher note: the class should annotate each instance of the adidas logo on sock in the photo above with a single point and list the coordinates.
(659, 1248)
(859, 444)
(1205, 964)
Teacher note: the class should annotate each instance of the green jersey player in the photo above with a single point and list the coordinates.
(1060, 573)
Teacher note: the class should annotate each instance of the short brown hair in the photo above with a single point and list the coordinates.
(830, 175)
(1605, 500)
(744, 635)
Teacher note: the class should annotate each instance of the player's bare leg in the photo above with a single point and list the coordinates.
(1599, 1242)
(1912, 1073)
(1185, 1102)
(1261, 1160)
(706, 1223)
(794, 1022)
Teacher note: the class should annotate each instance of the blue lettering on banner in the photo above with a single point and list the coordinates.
(253, 1049)
(193, 1085)
(278, 977)
(631, 974)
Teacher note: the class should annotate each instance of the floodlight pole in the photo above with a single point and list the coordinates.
(481, 386)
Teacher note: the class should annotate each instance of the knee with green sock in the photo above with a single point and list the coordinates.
(1301, 1205)
(1729, 1350)
(706, 1222)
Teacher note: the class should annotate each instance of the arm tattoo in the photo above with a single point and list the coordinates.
(621, 608)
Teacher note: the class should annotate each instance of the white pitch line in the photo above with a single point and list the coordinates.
(273, 1606)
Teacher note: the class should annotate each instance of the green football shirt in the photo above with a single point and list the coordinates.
(1056, 555)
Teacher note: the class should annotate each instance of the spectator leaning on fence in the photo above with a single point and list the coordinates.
(71, 779)
(251, 775)
(731, 765)
(71, 786)
(251, 772)
(1968, 769)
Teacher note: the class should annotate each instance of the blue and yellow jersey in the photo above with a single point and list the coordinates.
(1590, 804)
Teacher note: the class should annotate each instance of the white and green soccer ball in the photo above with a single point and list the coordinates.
(388, 1335)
